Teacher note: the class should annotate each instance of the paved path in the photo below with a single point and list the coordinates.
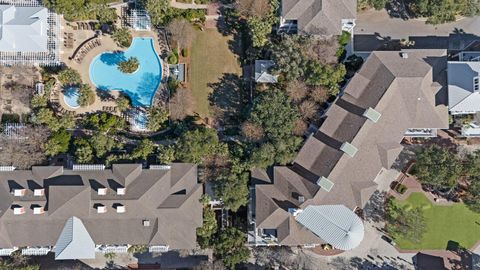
(372, 26)
(179, 5)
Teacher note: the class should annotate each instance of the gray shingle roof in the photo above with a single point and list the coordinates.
(319, 17)
(150, 195)
(405, 91)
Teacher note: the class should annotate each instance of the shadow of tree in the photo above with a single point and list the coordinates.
(398, 9)
(104, 95)
(374, 209)
(112, 59)
(226, 98)
(380, 263)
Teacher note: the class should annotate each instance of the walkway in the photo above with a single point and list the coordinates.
(192, 5)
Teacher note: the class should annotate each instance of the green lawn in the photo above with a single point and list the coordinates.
(444, 223)
(212, 67)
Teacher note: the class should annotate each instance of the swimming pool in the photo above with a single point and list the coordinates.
(141, 85)
(70, 96)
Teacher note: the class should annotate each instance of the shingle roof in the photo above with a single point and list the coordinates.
(405, 91)
(150, 195)
(319, 17)
(23, 29)
(262, 71)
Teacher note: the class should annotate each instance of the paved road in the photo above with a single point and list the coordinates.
(375, 25)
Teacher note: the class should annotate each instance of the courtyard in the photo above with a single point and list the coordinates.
(445, 223)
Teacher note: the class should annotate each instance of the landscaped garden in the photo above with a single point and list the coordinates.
(442, 224)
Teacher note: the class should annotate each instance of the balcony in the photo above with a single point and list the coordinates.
(421, 132)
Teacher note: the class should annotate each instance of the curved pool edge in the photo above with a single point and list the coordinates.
(159, 61)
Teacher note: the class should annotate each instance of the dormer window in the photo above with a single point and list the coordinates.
(476, 84)
(19, 210)
(102, 191)
(38, 210)
(38, 192)
(121, 191)
(101, 209)
(19, 192)
(121, 209)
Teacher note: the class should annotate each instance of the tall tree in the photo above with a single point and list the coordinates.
(230, 247)
(197, 145)
(437, 167)
(158, 10)
(144, 149)
(157, 116)
(58, 143)
(83, 151)
(410, 224)
(233, 189)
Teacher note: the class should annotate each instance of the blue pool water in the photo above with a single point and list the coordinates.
(70, 96)
(141, 85)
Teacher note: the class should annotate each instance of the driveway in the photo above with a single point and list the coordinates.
(373, 28)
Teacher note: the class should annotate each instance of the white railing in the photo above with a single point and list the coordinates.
(88, 167)
(160, 167)
(421, 132)
(36, 251)
(112, 249)
(158, 248)
(7, 251)
(6, 168)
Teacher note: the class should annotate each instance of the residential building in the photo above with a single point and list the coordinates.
(394, 94)
(464, 91)
(263, 71)
(318, 17)
(29, 35)
(77, 212)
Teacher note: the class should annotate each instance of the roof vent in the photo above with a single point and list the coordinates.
(121, 191)
(404, 55)
(294, 211)
(121, 209)
(38, 210)
(146, 223)
(19, 192)
(101, 209)
(18, 210)
(102, 191)
(301, 199)
(39, 192)
(372, 114)
(325, 183)
(349, 149)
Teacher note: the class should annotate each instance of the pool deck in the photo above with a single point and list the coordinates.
(107, 44)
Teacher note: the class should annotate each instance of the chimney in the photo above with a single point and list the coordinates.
(301, 199)
(294, 211)
(38, 210)
(19, 192)
(101, 209)
(18, 210)
(102, 191)
(39, 192)
(121, 209)
(404, 55)
(146, 223)
(121, 191)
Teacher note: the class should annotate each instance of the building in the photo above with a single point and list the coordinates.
(318, 17)
(89, 209)
(394, 94)
(29, 35)
(464, 91)
(263, 70)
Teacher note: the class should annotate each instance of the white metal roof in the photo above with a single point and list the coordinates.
(262, 71)
(23, 29)
(335, 224)
(74, 242)
(461, 96)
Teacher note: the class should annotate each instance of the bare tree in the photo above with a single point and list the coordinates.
(182, 31)
(181, 104)
(252, 132)
(308, 109)
(251, 8)
(319, 94)
(323, 50)
(24, 152)
(297, 90)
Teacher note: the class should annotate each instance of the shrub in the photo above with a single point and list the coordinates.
(10, 118)
(401, 188)
(86, 96)
(185, 52)
(172, 59)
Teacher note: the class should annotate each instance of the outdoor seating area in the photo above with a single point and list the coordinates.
(68, 40)
(85, 48)
(84, 26)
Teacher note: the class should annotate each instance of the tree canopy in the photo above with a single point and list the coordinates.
(69, 76)
(58, 143)
(410, 223)
(230, 247)
(233, 189)
(196, 145)
(122, 37)
(86, 96)
(157, 116)
(437, 167)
